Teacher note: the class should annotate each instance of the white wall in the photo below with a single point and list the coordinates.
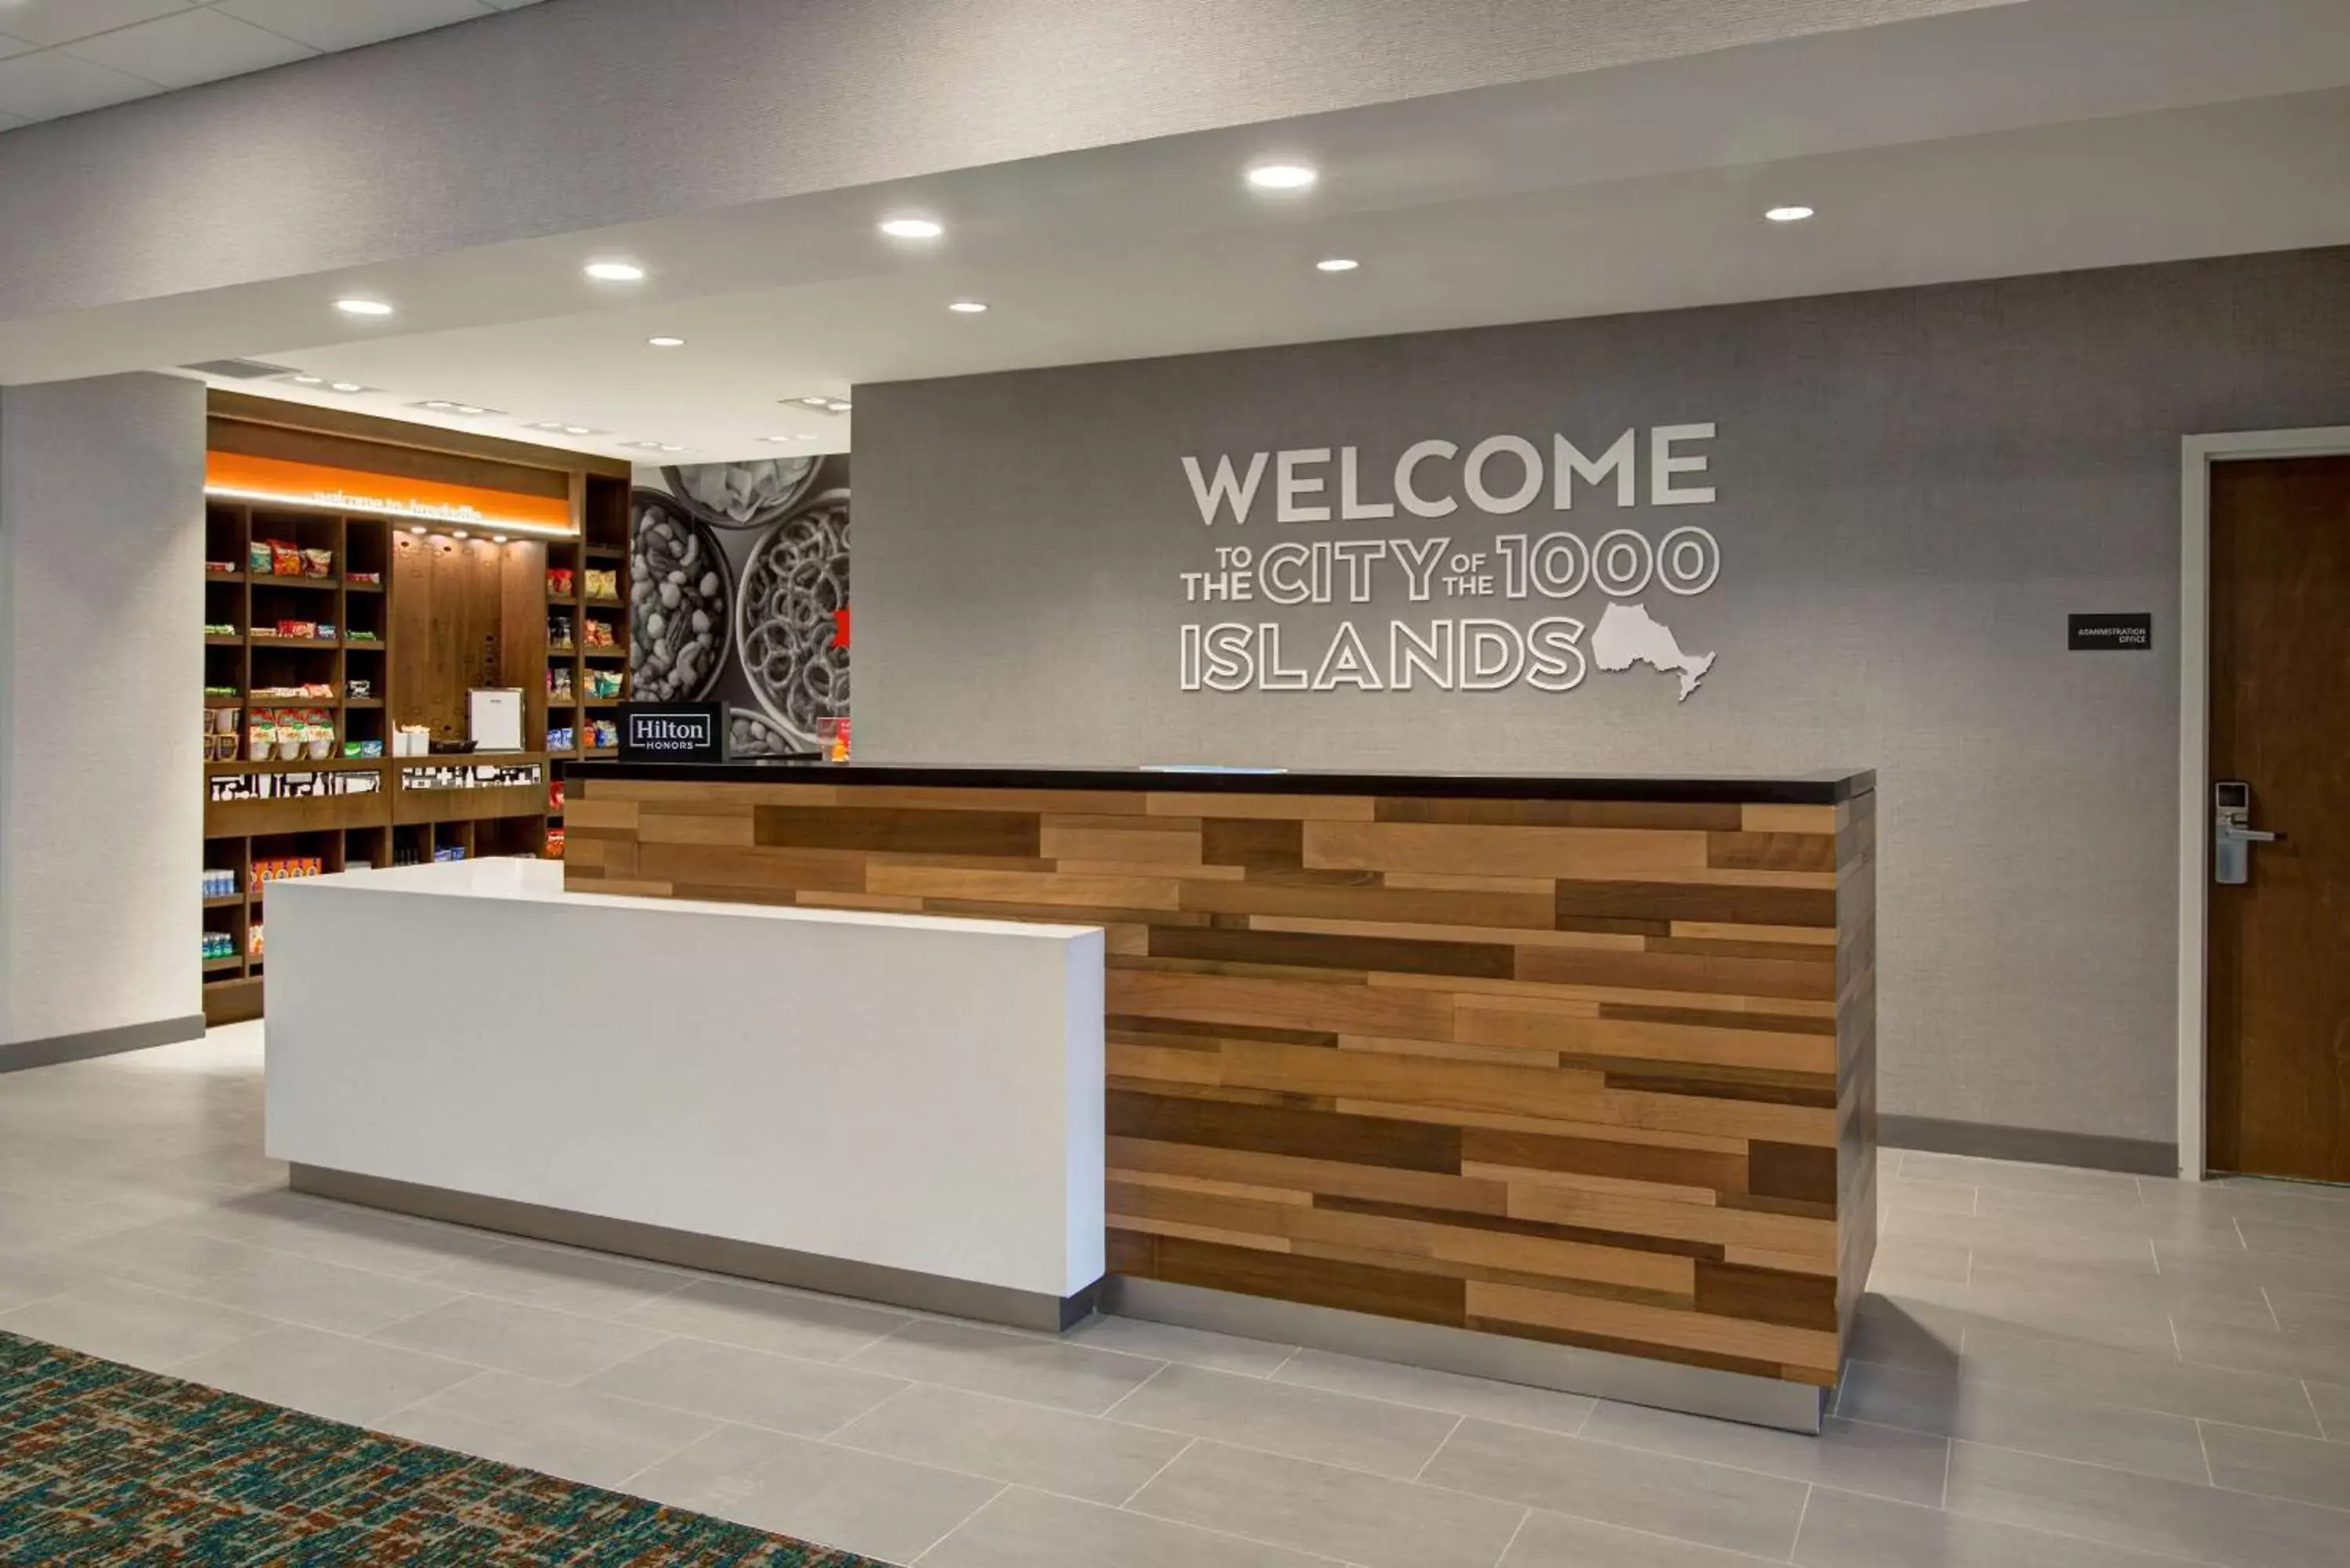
(583, 113)
(101, 686)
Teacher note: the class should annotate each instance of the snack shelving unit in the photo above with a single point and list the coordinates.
(420, 615)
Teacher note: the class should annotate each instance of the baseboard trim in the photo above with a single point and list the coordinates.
(1984, 1140)
(1633, 1379)
(711, 1254)
(18, 1056)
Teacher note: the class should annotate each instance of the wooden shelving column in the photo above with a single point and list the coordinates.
(603, 546)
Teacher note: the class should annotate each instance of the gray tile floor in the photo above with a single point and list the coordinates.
(2056, 1369)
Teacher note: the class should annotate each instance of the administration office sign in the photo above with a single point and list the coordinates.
(1490, 573)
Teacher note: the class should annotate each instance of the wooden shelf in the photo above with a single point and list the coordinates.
(288, 701)
(351, 587)
(565, 649)
(603, 603)
(218, 639)
(336, 763)
(217, 966)
(601, 702)
(606, 652)
(227, 577)
(266, 639)
(362, 702)
(272, 580)
(604, 553)
(231, 902)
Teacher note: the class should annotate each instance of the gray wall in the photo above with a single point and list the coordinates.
(101, 682)
(1915, 487)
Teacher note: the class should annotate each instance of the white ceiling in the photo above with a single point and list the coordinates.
(64, 56)
(2028, 138)
(2182, 183)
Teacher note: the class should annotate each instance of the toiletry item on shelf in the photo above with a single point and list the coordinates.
(219, 945)
(559, 738)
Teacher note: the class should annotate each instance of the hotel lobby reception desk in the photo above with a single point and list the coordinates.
(1569, 1081)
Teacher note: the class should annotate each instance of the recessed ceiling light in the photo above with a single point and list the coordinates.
(913, 228)
(436, 404)
(577, 430)
(838, 405)
(666, 447)
(666, 342)
(1335, 264)
(309, 381)
(468, 409)
(457, 534)
(817, 402)
(363, 307)
(1788, 214)
(615, 272)
(501, 538)
(1282, 176)
(416, 527)
(348, 386)
(968, 307)
(780, 437)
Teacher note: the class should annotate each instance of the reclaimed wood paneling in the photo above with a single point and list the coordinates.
(1594, 1071)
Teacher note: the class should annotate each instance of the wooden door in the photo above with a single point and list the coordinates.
(2279, 1008)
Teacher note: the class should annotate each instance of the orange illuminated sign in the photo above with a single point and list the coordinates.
(289, 483)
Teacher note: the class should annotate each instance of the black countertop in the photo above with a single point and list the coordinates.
(1826, 787)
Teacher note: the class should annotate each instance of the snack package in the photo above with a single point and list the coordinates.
(260, 736)
(558, 582)
(603, 583)
(258, 555)
(286, 560)
(317, 563)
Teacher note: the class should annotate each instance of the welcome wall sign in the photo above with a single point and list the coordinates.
(1499, 611)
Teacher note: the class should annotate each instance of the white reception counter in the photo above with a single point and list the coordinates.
(904, 1108)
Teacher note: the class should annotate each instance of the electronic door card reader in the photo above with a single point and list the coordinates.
(2232, 833)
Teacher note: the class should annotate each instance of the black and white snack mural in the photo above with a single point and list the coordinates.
(739, 595)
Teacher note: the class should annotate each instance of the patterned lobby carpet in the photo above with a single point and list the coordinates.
(101, 1463)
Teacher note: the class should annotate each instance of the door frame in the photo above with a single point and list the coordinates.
(2196, 454)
